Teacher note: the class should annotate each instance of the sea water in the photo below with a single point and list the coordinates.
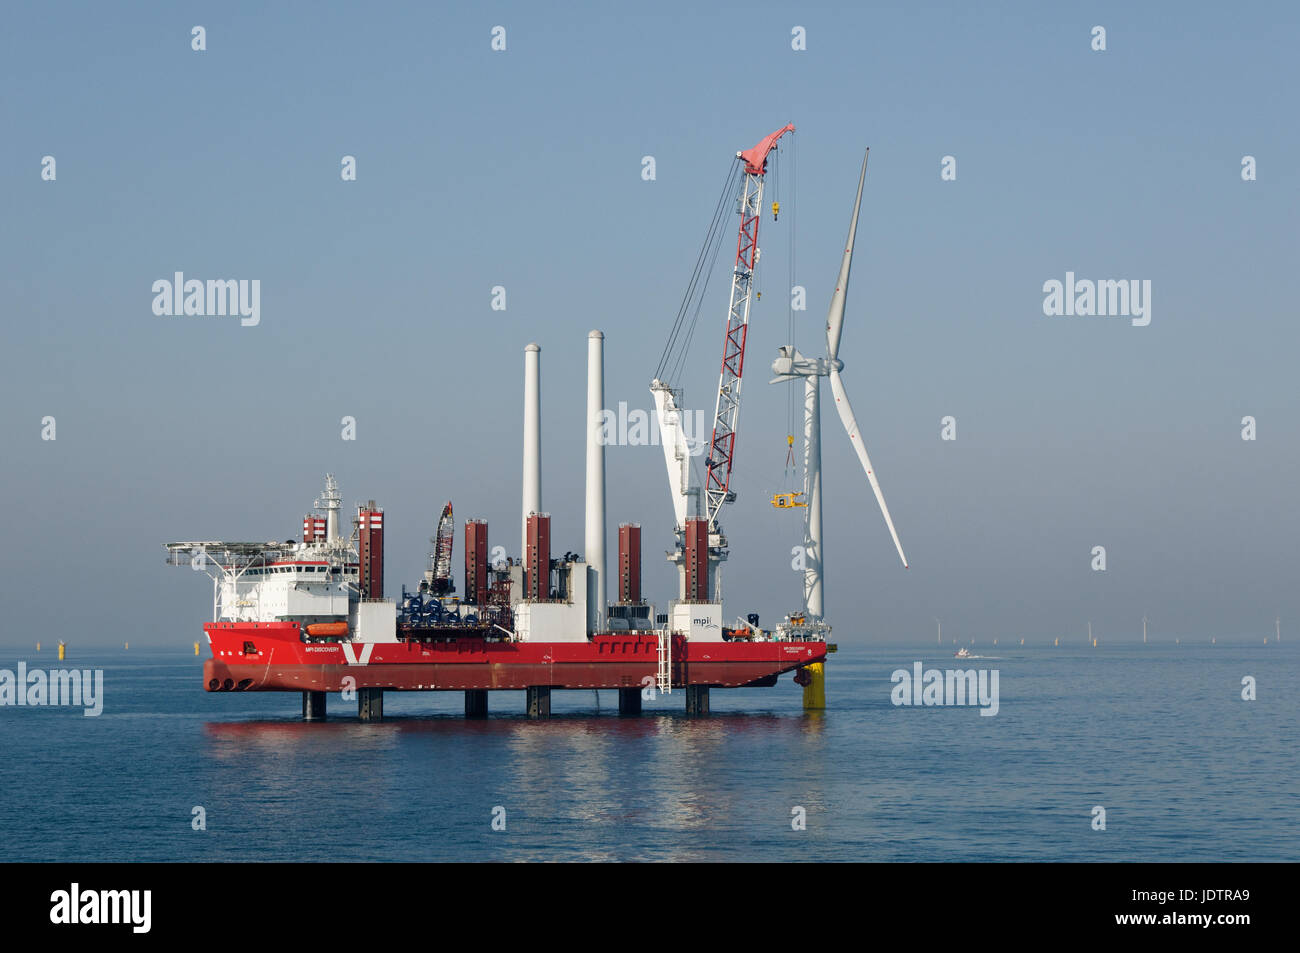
(1157, 736)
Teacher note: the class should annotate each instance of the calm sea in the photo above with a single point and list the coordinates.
(1158, 735)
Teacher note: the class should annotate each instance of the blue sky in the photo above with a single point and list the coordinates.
(522, 168)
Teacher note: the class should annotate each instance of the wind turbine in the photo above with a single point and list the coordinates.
(1144, 628)
(790, 365)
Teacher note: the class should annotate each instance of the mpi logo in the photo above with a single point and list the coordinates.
(951, 687)
(101, 907)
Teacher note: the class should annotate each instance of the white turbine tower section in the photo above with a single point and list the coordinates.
(532, 499)
(790, 366)
(595, 528)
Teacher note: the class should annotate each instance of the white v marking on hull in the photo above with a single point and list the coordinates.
(350, 653)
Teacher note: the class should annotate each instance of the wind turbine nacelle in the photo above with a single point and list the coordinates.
(790, 365)
(783, 366)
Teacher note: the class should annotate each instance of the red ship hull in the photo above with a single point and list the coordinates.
(270, 656)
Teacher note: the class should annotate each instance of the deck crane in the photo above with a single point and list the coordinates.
(726, 415)
(745, 181)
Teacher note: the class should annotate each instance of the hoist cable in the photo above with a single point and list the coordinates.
(699, 280)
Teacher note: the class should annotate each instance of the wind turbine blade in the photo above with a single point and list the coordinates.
(855, 437)
(835, 317)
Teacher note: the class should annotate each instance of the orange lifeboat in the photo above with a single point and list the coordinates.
(328, 628)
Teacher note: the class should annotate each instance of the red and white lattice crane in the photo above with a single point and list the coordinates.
(726, 415)
(696, 514)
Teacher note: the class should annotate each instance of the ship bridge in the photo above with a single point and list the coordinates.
(253, 581)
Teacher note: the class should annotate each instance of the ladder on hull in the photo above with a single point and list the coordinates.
(664, 678)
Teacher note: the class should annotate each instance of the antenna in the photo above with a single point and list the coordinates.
(330, 501)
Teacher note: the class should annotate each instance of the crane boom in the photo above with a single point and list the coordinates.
(726, 416)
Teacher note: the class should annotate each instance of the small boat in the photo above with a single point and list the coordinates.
(962, 653)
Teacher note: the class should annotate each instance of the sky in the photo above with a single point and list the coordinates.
(522, 168)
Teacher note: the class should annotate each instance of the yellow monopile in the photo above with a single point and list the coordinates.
(814, 692)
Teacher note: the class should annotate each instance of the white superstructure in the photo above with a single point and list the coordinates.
(312, 582)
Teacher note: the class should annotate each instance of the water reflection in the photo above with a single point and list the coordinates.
(604, 786)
